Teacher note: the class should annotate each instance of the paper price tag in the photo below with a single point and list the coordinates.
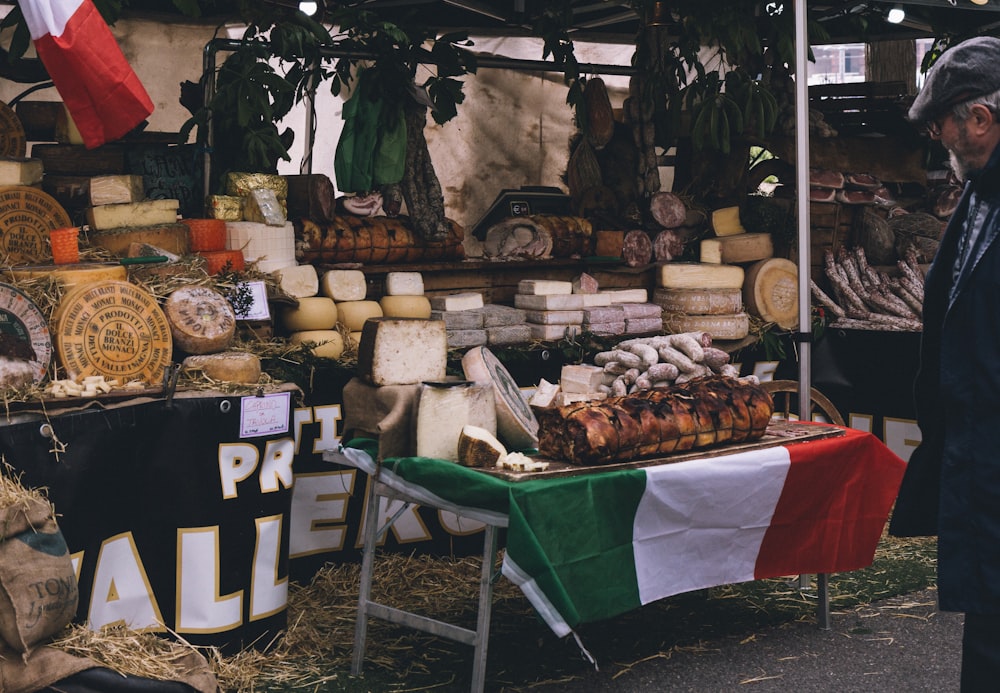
(264, 415)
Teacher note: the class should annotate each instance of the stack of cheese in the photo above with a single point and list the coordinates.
(702, 297)
(342, 302)
(733, 244)
(551, 308)
(577, 383)
(462, 314)
(22, 171)
(404, 296)
(119, 215)
(208, 239)
(263, 234)
(639, 316)
(313, 322)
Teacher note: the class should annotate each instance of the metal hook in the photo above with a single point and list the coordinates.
(170, 375)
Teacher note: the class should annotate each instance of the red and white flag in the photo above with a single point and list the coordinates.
(101, 91)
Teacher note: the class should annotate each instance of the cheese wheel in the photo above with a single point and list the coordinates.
(699, 301)
(736, 326)
(299, 281)
(402, 351)
(355, 338)
(206, 234)
(771, 292)
(742, 247)
(227, 366)
(699, 275)
(517, 426)
(69, 276)
(403, 306)
(329, 344)
(344, 285)
(201, 319)
(353, 314)
(223, 260)
(25, 342)
(312, 313)
(26, 216)
(404, 284)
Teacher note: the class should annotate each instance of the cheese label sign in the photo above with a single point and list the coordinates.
(264, 415)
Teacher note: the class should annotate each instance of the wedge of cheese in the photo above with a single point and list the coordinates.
(145, 213)
(477, 447)
(402, 351)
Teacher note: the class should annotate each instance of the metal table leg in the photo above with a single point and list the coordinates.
(367, 567)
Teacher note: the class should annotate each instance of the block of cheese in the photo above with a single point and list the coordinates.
(459, 319)
(201, 319)
(555, 317)
(298, 281)
(606, 329)
(495, 315)
(580, 377)
(699, 275)
(735, 326)
(444, 408)
(542, 287)
(726, 221)
(145, 213)
(463, 339)
(643, 325)
(517, 427)
(545, 394)
(402, 351)
(206, 234)
(598, 299)
(477, 447)
(116, 189)
(344, 285)
(469, 300)
(404, 284)
(21, 171)
(405, 306)
(699, 301)
(552, 333)
(227, 366)
(324, 344)
(640, 310)
(744, 247)
(604, 314)
(174, 238)
(259, 241)
(312, 313)
(549, 301)
(626, 295)
(261, 205)
(505, 335)
(353, 314)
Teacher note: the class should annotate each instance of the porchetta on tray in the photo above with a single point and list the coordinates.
(697, 414)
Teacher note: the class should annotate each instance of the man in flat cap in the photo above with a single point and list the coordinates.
(952, 482)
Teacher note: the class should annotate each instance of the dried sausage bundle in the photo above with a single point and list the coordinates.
(702, 412)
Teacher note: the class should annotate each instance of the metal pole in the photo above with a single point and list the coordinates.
(802, 189)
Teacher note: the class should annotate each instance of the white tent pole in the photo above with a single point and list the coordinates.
(803, 336)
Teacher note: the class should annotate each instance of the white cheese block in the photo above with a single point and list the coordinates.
(699, 275)
(626, 295)
(699, 301)
(552, 333)
(550, 301)
(743, 247)
(517, 426)
(344, 285)
(353, 314)
(596, 300)
(201, 319)
(545, 394)
(542, 287)
(470, 300)
(228, 366)
(298, 281)
(555, 317)
(641, 310)
(404, 284)
(324, 344)
(116, 189)
(312, 313)
(402, 351)
(459, 319)
(580, 378)
(505, 335)
(145, 213)
(444, 409)
(735, 326)
(258, 241)
(477, 447)
(20, 171)
(405, 306)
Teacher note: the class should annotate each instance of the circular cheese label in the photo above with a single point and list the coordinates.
(12, 139)
(114, 329)
(26, 216)
(24, 332)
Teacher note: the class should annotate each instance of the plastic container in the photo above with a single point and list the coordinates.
(65, 245)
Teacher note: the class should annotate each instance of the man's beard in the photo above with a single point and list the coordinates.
(960, 161)
(958, 166)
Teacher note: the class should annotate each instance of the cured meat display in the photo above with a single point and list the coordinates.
(350, 238)
(538, 236)
(702, 412)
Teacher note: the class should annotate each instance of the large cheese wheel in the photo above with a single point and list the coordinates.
(699, 301)
(26, 216)
(736, 326)
(771, 292)
(227, 366)
(699, 275)
(353, 314)
(114, 329)
(517, 426)
(344, 285)
(71, 275)
(401, 306)
(201, 319)
(312, 313)
(25, 342)
(327, 344)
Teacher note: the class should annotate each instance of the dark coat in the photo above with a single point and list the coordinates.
(952, 483)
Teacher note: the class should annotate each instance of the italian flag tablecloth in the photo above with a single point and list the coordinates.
(589, 547)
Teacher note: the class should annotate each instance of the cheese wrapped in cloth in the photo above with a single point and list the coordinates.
(696, 414)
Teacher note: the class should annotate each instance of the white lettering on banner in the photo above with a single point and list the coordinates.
(121, 592)
(237, 461)
(200, 607)
(300, 417)
(277, 466)
(407, 528)
(268, 594)
(901, 436)
(319, 512)
(328, 416)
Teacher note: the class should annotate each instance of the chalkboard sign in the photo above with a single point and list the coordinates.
(171, 173)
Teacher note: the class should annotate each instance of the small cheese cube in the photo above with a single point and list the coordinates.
(344, 285)
(404, 284)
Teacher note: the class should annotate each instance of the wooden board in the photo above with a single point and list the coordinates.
(778, 433)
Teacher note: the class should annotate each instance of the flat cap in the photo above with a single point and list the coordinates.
(967, 70)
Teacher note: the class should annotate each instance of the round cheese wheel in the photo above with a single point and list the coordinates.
(399, 306)
(699, 301)
(771, 291)
(227, 366)
(114, 329)
(517, 426)
(353, 314)
(329, 344)
(206, 234)
(736, 326)
(201, 319)
(218, 260)
(312, 313)
(72, 275)
(25, 342)
(355, 338)
(27, 214)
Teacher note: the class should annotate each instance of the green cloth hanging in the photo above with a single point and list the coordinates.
(372, 147)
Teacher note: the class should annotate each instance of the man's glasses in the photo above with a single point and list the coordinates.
(934, 126)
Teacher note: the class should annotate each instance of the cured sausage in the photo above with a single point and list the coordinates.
(637, 248)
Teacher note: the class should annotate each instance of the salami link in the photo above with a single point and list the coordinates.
(637, 249)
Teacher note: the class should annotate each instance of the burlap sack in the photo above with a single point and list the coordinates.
(45, 665)
(383, 412)
(38, 589)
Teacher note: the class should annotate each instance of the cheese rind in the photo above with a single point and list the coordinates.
(445, 409)
(116, 189)
(402, 351)
(517, 426)
(405, 306)
(344, 285)
(699, 301)
(477, 447)
(312, 313)
(145, 213)
(736, 326)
